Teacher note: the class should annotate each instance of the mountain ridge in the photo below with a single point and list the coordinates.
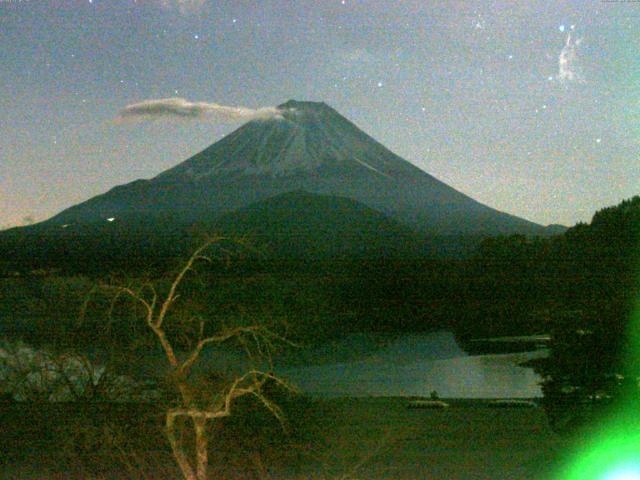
(310, 147)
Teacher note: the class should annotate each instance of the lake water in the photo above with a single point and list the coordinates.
(414, 365)
(367, 365)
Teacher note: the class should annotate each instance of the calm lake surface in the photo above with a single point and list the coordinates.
(413, 365)
(369, 365)
(408, 365)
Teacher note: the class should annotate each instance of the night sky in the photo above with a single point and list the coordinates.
(532, 108)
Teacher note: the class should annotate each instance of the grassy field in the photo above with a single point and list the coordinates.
(468, 440)
(380, 438)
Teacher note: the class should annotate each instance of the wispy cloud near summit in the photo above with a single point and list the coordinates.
(179, 108)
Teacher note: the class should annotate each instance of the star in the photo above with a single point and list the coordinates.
(561, 28)
(379, 84)
(598, 140)
(196, 36)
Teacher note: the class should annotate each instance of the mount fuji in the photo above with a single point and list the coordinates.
(309, 147)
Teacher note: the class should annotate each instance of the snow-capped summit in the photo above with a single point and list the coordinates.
(310, 147)
(306, 137)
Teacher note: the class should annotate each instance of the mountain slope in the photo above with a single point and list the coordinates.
(310, 148)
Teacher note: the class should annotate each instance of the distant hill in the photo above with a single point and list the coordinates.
(586, 278)
(295, 226)
(304, 225)
(555, 229)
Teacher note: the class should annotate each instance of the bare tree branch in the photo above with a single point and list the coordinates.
(171, 297)
(223, 337)
(192, 404)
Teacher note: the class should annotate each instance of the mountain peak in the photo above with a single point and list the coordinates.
(307, 137)
(302, 105)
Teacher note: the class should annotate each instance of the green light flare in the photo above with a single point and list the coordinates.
(613, 453)
(629, 471)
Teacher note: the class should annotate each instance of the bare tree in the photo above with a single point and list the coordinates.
(195, 403)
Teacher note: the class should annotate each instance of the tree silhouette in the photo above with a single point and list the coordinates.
(198, 400)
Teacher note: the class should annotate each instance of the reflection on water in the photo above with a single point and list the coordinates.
(417, 365)
(363, 365)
